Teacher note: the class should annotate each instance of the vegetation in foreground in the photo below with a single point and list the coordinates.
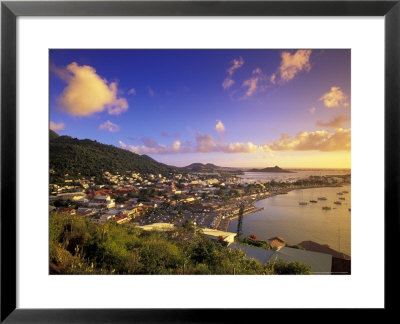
(78, 246)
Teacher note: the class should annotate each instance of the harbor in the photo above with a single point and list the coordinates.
(324, 222)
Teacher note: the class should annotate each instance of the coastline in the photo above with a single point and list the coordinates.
(224, 224)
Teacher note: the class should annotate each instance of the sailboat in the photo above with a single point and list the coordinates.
(322, 197)
(312, 199)
(302, 202)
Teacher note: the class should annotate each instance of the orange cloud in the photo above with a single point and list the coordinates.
(57, 126)
(312, 110)
(87, 93)
(339, 140)
(292, 64)
(248, 147)
(334, 123)
(228, 81)
(254, 84)
(334, 98)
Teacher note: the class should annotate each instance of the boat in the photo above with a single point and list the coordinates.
(337, 203)
(342, 198)
(345, 191)
(349, 209)
(326, 208)
(302, 203)
(339, 193)
(322, 198)
(312, 200)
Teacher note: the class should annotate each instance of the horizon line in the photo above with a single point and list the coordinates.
(223, 166)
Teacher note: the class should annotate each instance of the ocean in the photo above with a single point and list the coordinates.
(284, 217)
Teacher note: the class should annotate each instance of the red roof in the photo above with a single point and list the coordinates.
(275, 242)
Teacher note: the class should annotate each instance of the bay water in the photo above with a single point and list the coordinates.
(283, 216)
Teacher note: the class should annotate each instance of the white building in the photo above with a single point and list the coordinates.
(216, 234)
(100, 200)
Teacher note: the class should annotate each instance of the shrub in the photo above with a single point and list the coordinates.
(281, 267)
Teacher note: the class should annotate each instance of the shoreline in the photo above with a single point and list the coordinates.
(224, 225)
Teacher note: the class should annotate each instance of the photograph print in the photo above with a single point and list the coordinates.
(200, 162)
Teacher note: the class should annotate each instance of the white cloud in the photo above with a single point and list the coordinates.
(204, 143)
(150, 146)
(109, 126)
(220, 127)
(176, 146)
(87, 93)
(122, 145)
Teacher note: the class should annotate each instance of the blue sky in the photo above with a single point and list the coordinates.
(228, 107)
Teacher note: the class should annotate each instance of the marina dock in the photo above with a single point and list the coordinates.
(224, 224)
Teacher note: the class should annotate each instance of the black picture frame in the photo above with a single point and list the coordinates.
(10, 10)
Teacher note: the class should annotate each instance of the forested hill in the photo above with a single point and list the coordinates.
(90, 158)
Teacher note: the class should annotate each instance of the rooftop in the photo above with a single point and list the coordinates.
(214, 232)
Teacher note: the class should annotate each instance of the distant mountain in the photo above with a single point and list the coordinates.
(210, 168)
(89, 158)
(271, 169)
(201, 167)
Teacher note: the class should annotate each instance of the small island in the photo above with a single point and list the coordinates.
(271, 169)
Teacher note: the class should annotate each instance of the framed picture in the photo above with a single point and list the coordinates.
(195, 149)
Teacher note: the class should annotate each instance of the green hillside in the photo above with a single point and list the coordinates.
(90, 158)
